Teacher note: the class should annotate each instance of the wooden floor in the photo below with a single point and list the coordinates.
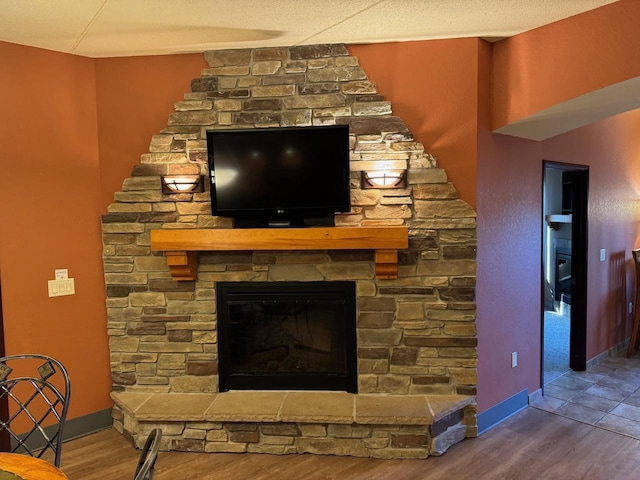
(532, 444)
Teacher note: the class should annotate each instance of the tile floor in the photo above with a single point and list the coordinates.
(607, 395)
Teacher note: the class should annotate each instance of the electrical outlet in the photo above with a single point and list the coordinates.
(603, 254)
(514, 359)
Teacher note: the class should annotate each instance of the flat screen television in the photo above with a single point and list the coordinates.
(290, 176)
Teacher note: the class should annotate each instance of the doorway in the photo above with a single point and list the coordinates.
(564, 269)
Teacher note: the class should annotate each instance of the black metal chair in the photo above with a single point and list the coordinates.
(148, 456)
(36, 390)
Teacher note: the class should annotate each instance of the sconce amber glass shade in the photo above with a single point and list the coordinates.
(384, 179)
(182, 184)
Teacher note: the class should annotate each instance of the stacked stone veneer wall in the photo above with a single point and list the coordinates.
(416, 334)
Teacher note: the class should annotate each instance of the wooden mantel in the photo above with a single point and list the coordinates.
(181, 246)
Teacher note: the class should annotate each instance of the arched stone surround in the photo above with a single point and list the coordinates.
(416, 334)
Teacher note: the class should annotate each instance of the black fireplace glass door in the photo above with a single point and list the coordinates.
(287, 335)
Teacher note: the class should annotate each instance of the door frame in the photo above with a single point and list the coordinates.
(579, 264)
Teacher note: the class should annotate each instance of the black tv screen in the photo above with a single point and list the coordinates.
(292, 176)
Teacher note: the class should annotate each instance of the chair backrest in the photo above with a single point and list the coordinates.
(636, 260)
(37, 390)
(148, 456)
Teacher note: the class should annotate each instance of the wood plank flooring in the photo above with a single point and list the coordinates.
(532, 444)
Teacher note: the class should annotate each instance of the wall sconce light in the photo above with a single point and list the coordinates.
(182, 183)
(384, 179)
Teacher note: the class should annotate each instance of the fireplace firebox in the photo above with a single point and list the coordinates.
(287, 336)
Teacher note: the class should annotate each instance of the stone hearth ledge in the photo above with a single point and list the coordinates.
(442, 415)
(289, 407)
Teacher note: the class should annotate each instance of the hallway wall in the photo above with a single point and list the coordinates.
(510, 239)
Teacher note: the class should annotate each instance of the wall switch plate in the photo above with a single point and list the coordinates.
(514, 359)
(630, 307)
(59, 288)
(603, 254)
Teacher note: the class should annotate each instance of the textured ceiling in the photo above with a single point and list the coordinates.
(112, 28)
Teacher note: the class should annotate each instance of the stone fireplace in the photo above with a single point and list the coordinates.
(415, 331)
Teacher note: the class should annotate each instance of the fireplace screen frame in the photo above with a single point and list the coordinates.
(233, 293)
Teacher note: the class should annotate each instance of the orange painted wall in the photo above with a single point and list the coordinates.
(77, 126)
(50, 216)
(563, 60)
(432, 87)
(135, 96)
(510, 239)
(533, 71)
